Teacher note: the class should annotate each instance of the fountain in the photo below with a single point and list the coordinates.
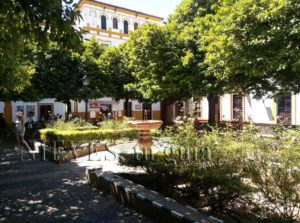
(144, 127)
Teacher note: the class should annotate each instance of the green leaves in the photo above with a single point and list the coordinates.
(25, 25)
(114, 63)
(59, 73)
(156, 61)
(254, 41)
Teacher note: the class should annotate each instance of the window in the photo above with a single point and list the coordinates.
(103, 22)
(197, 107)
(237, 107)
(126, 27)
(115, 23)
(136, 26)
(284, 110)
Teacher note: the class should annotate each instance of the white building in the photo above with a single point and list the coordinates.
(265, 111)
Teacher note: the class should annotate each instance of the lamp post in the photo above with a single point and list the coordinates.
(86, 82)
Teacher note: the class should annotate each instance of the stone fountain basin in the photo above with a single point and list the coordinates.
(145, 125)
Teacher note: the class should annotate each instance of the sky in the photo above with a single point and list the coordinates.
(161, 8)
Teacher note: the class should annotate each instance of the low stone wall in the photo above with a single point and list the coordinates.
(159, 208)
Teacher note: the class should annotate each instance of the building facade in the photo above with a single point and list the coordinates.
(246, 108)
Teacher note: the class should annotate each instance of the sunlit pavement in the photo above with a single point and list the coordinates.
(42, 191)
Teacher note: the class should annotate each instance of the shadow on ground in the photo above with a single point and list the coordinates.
(42, 191)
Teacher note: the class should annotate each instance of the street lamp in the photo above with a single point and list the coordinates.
(86, 82)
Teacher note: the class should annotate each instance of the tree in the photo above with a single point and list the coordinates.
(168, 61)
(115, 64)
(254, 44)
(59, 74)
(189, 23)
(25, 25)
(157, 64)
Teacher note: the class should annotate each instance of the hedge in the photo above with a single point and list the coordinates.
(76, 135)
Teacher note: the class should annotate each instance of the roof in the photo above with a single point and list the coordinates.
(121, 9)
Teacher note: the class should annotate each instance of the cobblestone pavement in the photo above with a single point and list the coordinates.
(41, 191)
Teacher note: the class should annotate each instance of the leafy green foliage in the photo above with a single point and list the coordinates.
(115, 64)
(87, 135)
(59, 73)
(78, 125)
(81, 131)
(156, 61)
(25, 25)
(114, 124)
(253, 45)
(90, 66)
(224, 168)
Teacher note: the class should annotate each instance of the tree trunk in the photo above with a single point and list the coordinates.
(213, 109)
(164, 108)
(69, 107)
(126, 107)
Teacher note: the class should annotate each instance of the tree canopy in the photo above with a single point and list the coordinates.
(254, 44)
(115, 64)
(59, 73)
(26, 25)
(156, 61)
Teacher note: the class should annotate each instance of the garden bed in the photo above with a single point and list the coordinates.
(144, 180)
(240, 175)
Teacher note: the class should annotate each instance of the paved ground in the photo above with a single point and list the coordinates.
(41, 191)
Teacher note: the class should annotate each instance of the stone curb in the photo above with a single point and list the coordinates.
(159, 208)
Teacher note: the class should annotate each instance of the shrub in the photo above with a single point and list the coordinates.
(206, 167)
(275, 175)
(221, 168)
(114, 124)
(78, 136)
(62, 125)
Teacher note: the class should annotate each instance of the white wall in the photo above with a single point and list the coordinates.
(262, 110)
(156, 106)
(58, 108)
(204, 108)
(137, 106)
(248, 108)
(297, 110)
(1, 107)
(225, 107)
